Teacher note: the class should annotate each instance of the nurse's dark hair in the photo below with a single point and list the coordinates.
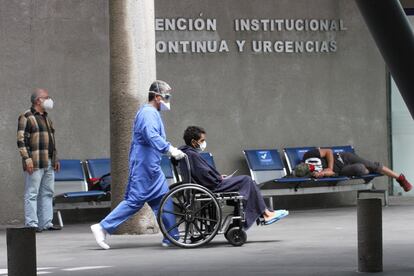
(151, 96)
(192, 133)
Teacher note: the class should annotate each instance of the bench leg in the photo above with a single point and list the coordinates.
(386, 202)
(59, 215)
(270, 198)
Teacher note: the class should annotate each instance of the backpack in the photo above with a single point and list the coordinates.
(102, 183)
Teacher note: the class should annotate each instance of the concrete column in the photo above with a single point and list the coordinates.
(21, 251)
(132, 69)
(369, 235)
(394, 37)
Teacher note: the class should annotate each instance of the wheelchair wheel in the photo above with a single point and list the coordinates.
(236, 236)
(197, 215)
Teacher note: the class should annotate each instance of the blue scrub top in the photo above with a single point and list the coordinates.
(146, 180)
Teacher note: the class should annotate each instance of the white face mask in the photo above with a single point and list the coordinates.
(203, 146)
(165, 106)
(47, 104)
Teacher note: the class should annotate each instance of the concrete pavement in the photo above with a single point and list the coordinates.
(309, 242)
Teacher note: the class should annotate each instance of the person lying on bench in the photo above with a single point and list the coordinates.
(324, 163)
(209, 177)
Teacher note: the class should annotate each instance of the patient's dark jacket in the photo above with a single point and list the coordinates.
(204, 174)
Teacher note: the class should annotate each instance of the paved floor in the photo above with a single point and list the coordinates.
(311, 242)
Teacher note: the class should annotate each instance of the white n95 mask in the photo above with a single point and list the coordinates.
(203, 146)
(47, 104)
(165, 106)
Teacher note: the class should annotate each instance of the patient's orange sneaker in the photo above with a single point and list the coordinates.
(404, 183)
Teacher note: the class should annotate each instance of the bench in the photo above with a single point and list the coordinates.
(207, 156)
(71, 185)
(275, 179)
(167, 169)
(71, 189)
(70, 178)
(97, 168)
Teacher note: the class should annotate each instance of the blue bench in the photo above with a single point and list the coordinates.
(167, 169)
(264, 165)
(71, 189)
(275, 179)
(294, 156)
(70, 178)
(71, 185)
(97, 168)
(209, 158)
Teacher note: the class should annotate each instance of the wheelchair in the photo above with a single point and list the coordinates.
(199, 212)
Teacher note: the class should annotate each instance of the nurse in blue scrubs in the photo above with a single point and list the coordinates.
(146, 181)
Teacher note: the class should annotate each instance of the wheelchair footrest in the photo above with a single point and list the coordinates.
(227, 194)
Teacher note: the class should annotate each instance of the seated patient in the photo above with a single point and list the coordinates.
(323, 163)
(209, 177)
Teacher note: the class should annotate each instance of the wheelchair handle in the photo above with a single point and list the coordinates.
(187, 161)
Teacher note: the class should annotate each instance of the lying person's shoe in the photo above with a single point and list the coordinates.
(100, 235)
(279, 214)
(404, 183)
(53, 228)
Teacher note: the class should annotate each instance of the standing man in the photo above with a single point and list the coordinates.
(37, 147)
(146, 181)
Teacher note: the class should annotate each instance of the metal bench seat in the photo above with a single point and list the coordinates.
(275, 179)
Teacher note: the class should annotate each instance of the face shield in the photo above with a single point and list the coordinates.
(165, 102)
(166, 97)
(162, 89)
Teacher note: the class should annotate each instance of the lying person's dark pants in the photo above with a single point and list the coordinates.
(353, 165)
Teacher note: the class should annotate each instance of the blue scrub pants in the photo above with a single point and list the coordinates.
(126, 209)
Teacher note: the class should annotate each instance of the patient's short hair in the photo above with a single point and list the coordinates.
(193, 132)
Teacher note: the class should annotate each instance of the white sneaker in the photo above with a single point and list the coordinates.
(165, 244)
(100, 235)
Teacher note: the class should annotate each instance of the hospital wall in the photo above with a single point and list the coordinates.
(274, 100)
(64, 47)
(243, 99)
